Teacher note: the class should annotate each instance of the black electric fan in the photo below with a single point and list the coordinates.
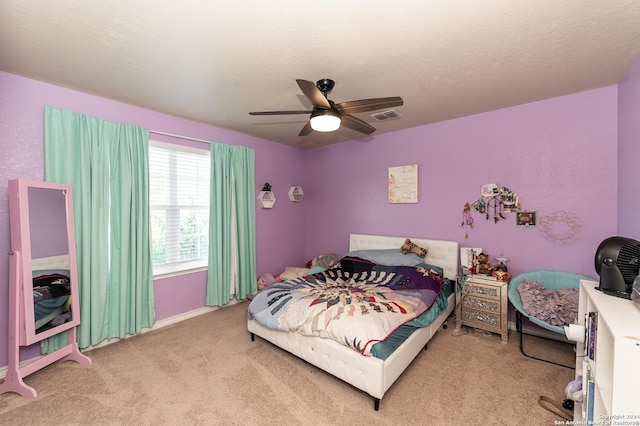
(617, 262)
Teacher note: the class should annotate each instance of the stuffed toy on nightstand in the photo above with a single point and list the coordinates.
(484, 267)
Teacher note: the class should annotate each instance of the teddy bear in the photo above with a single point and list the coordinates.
(484, 267)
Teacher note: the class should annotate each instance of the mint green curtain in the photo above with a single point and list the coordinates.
(232, 224)
(107, 165)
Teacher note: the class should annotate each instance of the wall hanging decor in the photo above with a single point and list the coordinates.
(526, 218)
(295, 193)
(561, 227)
(403, 184)
(496, 202)
(467, 220)
(266, 198)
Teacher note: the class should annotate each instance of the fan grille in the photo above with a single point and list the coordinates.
(629, 261)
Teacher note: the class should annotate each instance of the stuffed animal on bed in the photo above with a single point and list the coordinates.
(326, 261)
(265, 281)
(409, 247)
(315, 265)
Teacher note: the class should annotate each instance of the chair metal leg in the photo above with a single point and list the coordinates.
(522, 334)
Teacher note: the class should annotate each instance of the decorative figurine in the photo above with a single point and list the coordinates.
(472, 258)
(501, 266)
(500, 271)
(484, 267)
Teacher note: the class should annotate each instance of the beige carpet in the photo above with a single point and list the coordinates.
(206, 371)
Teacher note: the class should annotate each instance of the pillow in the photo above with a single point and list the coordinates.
(291, 272)
(388, 257)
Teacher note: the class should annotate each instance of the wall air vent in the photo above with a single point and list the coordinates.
(386, 115)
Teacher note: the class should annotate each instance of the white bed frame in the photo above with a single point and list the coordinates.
(369, 374)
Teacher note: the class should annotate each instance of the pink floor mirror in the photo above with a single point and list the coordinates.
(43, 278)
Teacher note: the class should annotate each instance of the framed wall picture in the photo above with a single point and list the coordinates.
(526, 218)
(403, 184)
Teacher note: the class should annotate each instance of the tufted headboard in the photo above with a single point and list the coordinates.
(441, 252)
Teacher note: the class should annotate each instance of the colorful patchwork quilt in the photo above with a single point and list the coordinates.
(357, 303)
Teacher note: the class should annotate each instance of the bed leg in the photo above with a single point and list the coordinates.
(426, 346)
(253, 337)
(376, 403)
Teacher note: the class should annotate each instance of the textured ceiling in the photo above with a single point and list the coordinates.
(214, 61)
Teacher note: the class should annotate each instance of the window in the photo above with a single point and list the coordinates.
(179, 198)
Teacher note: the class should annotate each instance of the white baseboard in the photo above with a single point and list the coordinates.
(158, 325)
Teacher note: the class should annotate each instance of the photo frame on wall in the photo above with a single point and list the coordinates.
(403, 184)
(526, 218)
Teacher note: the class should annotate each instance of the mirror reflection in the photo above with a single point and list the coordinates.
(50, 269)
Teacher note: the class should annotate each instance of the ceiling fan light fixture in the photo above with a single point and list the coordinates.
(325, 120)
(327, 116)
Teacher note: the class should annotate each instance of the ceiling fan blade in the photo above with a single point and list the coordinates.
(313, 93)
(279, 112)
(306, 129)
(363, 105)
(356, 124)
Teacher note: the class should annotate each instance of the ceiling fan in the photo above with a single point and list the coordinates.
(328, 116)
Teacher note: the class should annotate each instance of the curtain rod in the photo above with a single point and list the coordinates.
(179, 136)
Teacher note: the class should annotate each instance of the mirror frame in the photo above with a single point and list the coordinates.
(19, 209)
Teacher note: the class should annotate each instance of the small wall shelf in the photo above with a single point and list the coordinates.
(266, 199)
(295, 193)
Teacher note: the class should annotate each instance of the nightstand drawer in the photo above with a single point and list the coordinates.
(484, 320)
(484, 290)
(482, 304)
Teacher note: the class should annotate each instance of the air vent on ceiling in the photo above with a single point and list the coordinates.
(386, 115)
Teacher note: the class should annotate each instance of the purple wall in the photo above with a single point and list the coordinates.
(557, 154)
(629, 153)
(22, 104)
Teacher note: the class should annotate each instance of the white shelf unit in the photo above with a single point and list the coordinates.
(296, 193)
(615, 369)
(266, 199)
